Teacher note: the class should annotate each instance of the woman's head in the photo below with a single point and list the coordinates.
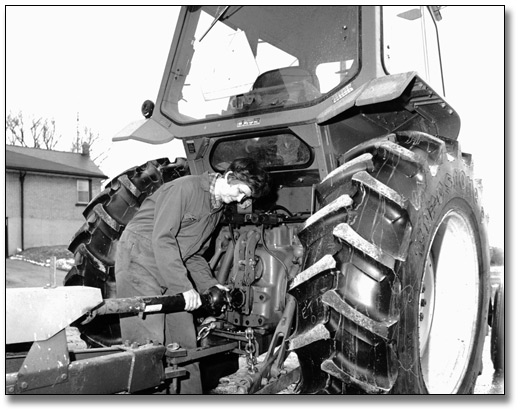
(248, 172)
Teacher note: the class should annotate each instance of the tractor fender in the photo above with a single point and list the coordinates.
(405, 92)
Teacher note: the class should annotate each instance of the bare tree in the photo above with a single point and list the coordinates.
(42, 132)
(14, 129)
(35, 132)
(48, 134)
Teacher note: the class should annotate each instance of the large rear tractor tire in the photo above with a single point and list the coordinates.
(394, 293)
(497, 330)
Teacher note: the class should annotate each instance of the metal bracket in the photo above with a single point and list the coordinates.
(46, 364)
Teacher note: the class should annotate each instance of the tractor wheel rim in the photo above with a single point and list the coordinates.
(426, 304)
(448, 305)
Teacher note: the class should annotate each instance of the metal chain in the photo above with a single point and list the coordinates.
(204, 331)
(250, 350)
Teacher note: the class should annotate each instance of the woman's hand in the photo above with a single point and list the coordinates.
(192, 299)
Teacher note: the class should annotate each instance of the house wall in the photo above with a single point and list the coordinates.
(51, 214)
(12, 212)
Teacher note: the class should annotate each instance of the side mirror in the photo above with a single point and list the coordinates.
(147, 108)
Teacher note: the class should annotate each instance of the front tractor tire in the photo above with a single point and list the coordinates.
(394, 293)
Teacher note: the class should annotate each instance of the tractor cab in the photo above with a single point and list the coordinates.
(239, 68)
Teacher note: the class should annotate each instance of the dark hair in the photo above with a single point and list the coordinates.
(248, 171)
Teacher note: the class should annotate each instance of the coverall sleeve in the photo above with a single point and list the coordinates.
(169, 210)
(200, 273)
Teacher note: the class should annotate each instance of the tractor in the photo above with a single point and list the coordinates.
(368, 260)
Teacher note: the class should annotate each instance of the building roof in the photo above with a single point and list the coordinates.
(51, 162)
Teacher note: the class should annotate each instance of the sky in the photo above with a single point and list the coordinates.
(88, 67)
(101, 63)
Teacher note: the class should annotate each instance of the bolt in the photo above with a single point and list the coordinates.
(421, 316)
(23, 385)
(10, 389)
(423, 302)
(63, 376)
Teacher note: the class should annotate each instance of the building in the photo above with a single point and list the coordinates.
(46, 193)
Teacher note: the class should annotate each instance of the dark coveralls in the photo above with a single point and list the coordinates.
(162, 243)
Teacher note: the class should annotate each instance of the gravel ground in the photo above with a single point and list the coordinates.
(33, 267)
(22, 274)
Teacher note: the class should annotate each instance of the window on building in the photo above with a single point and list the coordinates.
(83, 189)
